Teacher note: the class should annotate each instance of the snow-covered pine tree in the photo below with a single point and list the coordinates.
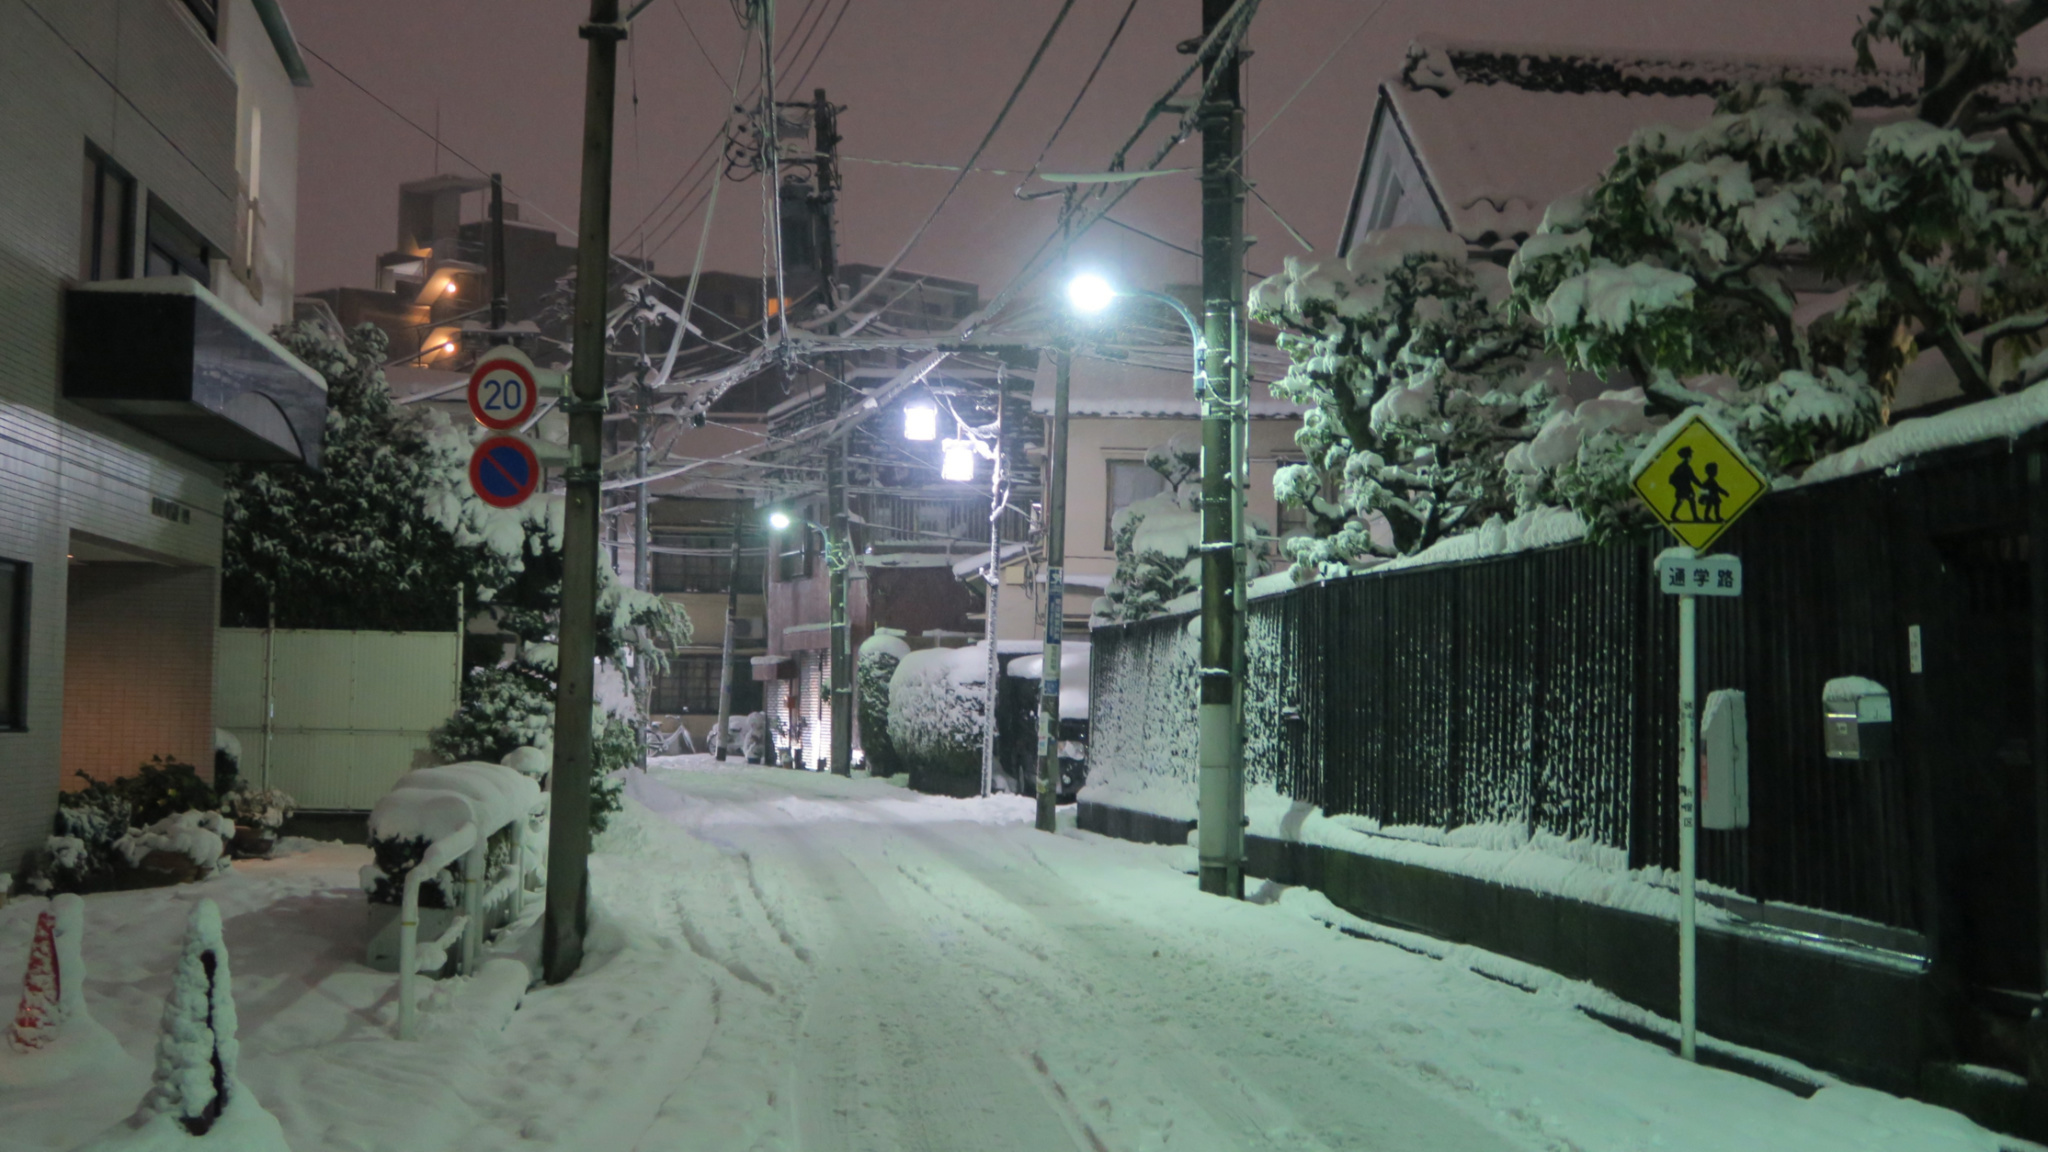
(1782, 263)
(39, 1018)
(196, 1050)
(1157, 540)
(1416, 372)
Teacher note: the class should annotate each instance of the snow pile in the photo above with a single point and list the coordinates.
(1539, 527)
(430, 803)
(937, 699)
(53, 1037)
(2003, 418)
(199, 836)
(1074, 656)
(532, 763)
(196, 1098)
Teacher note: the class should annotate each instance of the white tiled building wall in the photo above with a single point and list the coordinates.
(138, 79)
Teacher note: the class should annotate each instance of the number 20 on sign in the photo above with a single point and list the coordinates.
(502, 394)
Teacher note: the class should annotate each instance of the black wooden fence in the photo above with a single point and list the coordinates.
(1538, 689)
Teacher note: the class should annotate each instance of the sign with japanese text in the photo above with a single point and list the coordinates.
(1699, 575)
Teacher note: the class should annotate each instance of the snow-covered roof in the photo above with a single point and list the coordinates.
(1110, 389)
(1500, 131)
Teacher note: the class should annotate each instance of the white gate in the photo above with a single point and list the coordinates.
(334, 717)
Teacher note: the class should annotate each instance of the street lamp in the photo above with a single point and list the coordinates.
(1090, 295)
(779, 520)
(1220, 712)
(921, 421)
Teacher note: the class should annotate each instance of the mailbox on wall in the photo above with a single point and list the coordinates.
(1858, 719)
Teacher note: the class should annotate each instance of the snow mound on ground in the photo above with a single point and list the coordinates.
(66, 1040)
(2005, 418)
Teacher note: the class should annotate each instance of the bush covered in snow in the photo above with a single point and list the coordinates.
(873, 669)
(1416, 371)
(937, 699)
(104, 830)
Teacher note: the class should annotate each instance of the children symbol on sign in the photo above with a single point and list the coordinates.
(1683, 481)
(1711, 493)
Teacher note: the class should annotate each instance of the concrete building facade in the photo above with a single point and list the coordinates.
(147, 180)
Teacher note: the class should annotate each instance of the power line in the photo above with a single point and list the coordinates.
(817, 55)
(961, 176)
(701, 51)
(1114, 34)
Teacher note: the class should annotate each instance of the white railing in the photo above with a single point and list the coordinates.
(439, 855)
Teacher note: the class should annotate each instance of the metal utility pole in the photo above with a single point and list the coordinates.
(732, 612)
(1220, 809)
(568, 891)
(499, 306)
(1055, 597)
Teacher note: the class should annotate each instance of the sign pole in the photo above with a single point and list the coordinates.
(1688, 820)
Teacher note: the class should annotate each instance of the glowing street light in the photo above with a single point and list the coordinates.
(921, 422)
(778, 520)
(958, 460)
(1089, 293)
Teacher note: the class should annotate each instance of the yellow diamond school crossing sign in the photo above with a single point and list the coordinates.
(1695, 480)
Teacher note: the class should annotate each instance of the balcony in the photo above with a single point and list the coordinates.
(166, 356)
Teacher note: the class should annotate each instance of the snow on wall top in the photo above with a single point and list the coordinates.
(1103, 388)
(1502, 130)
(2002, 418)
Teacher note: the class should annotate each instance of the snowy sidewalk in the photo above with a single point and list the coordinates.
(787, 961)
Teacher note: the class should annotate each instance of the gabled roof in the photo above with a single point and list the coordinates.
(1500, 131)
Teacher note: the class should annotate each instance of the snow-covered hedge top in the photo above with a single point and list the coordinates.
(1073, 676)
(884, 644)
(430, 803)
(2003, 418)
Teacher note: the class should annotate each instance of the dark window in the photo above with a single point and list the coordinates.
(793, 558)
(13, 644)
(174, 249)
(207, 12)
(704, 565)
(104, 248)
(691, 686)
(1129, 481)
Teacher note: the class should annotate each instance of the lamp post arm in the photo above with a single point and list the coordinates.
(1194, 332)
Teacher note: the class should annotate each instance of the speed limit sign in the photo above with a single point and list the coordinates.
(502, 395)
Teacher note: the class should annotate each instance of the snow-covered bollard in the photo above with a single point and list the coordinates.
(195, 1098)
(52, 1036)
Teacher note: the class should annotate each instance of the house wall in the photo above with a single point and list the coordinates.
(1094, 441)
(140, 81)
(138, 668)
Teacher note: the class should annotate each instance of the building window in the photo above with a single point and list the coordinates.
(174, 249)
(690, 686)
(794, 557)
(207, 12)
(1129, 482)
(705, 565)
(13, 645)
(104, 251)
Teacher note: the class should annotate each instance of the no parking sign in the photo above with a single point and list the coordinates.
(504, 471)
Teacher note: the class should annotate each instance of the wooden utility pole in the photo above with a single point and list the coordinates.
(568, 892)
(1220, 767)
(1055, 606)
(499, 305)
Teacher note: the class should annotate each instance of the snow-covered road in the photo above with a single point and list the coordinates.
(790, 962)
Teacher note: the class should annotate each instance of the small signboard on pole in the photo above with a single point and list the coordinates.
(504, 471)
(1696, 482)
(502, 389)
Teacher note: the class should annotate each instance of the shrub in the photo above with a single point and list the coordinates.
(936, 704)
(875, 665)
